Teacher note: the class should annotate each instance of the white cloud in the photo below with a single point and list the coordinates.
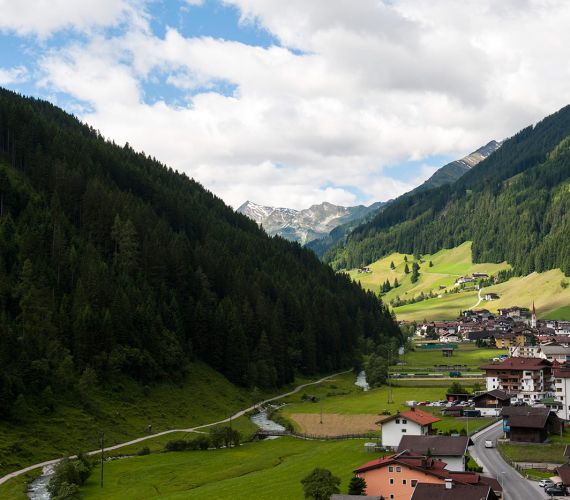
(369, 85)
(44, 17)
(13, 75)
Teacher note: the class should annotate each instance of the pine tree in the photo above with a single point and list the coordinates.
(406, 269)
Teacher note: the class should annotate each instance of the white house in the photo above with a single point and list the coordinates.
(449, 449)
(561, 375)
(409, 423)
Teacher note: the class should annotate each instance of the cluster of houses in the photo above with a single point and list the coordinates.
(423, 465)
(514, 326)
(529, 389)
(471, 278)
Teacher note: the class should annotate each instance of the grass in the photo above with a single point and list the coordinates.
(122, 414)
(342, 397)
(538, 474)
(448, 265)
(265, 470)
(468, 356)
(560, 313)
(534, 453)
(551, 300)
(545, 289)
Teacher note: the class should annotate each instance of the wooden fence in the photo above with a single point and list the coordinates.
(260, 434)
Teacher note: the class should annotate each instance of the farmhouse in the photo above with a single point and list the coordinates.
(491, 296)
(492, 399)
(529, 378)
(451, 450)
(529, 425)
(397, 476)
(411, 423)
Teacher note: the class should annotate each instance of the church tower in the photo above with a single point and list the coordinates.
(533, 317)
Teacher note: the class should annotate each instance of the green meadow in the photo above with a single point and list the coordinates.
(546, 289)
(269, 470)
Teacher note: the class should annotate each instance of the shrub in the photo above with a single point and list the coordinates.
(144, 451)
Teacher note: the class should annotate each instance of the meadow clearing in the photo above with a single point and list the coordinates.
(545, 289)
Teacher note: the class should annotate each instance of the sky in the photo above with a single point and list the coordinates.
(292, 103)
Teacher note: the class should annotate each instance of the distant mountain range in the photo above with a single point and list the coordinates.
(305, 225)
(452, 171)
(319, 227)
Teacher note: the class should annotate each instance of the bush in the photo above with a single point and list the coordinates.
(320, 484)
(68, 476)
(144, 451)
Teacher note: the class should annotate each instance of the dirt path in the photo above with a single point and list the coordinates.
(480, 299)
(240, 413)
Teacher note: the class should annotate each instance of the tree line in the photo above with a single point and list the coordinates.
(112, 263)
(514, 207)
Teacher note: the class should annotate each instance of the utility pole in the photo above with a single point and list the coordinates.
(390, 397)
(321, 411)
(102, 455)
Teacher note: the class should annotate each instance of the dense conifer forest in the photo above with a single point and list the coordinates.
(514, 206)
(114, 264)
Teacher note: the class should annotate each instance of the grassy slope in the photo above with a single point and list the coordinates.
(343, 397)
(266, 470)
(543, 288)
(468, 355)
(552, 301)
(206, 396)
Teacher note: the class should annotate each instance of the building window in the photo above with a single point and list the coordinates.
(391, 481)
(404, 430)
(397, 420)
(398, 469)
(390, 468)
(404, 421)
(403, 481)
(414, 482)
(391, 496)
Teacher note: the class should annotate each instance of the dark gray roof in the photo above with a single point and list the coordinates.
(524, 416)
(427, 491)
(496, 393)
(438, 445)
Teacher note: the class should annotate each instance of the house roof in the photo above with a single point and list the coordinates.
(526, 417)
(353, 497)
(418, 416)
(412, 460)
(555, 349)
(529, 364)
(492, 482)
(564, 473)
(496, 393)
(427, 491)
(437, 445)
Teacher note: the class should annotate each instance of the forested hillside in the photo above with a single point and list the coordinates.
(514, 206)
(113, 264)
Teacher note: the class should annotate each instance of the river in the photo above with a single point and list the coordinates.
(361, 381)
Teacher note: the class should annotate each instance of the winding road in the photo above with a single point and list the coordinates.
(515, 487)
(480, 298)
(240, 413)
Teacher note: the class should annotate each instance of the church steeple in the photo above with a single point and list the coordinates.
(533, 317)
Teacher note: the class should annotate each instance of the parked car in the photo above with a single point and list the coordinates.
(490, 444)
(558, 490)
(545, 483)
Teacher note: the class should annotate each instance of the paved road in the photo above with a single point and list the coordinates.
(240, 413)
(515, 486)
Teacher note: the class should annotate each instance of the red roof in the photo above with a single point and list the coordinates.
(418, 416)
(429, 465)
(519, 364)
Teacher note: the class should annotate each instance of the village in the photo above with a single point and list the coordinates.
(526, 396)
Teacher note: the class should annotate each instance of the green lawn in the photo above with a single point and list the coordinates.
(265, 470)
(342, 397)
(469, 355)
(547, 453)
